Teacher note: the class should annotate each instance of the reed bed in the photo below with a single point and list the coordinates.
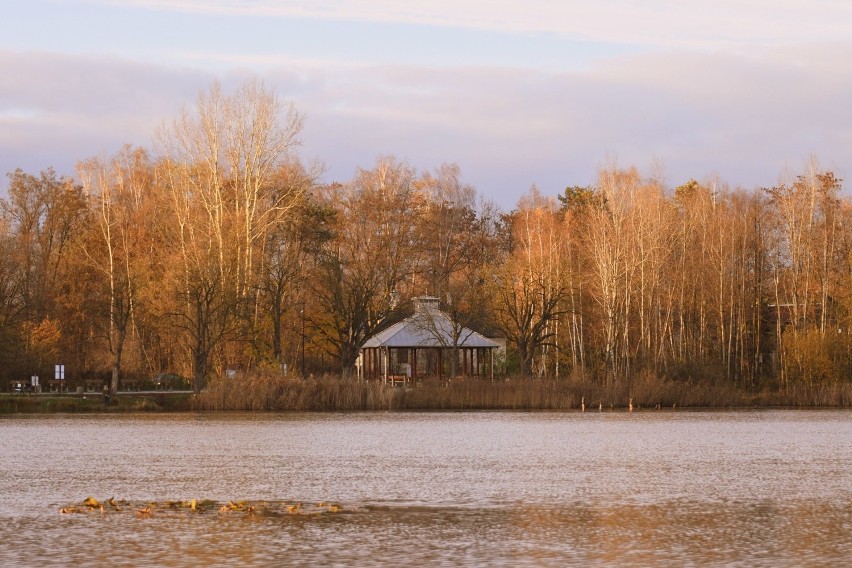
(259, 391)
(835, 394)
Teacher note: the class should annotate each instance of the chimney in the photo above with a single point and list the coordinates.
(425, 304)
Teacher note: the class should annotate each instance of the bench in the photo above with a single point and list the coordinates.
(395, 380)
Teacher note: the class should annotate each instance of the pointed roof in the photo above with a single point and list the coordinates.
(427, 327)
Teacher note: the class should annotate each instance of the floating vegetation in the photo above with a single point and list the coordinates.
(148, 509)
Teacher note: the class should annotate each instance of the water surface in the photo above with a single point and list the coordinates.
(542, 489)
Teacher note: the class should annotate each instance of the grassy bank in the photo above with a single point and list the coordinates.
(50, 404)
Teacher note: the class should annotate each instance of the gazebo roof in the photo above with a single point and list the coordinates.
(427, 327)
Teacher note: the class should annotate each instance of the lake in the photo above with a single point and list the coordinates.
(750, 488)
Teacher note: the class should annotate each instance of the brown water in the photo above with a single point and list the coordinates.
(762, 488)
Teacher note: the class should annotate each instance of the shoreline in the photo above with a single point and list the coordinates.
(337, 396)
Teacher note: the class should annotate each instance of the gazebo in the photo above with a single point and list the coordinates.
(423, 345)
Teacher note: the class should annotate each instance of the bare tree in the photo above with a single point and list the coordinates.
(220, 169)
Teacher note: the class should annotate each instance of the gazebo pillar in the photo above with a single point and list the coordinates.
(386, 362)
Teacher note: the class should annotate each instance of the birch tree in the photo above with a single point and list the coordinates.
(221, 160)
(115, 192)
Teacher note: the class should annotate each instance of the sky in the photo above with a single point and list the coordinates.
(542, 92)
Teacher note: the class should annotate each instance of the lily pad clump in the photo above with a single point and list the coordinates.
(146, 509)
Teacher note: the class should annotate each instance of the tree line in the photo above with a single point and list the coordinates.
(218, 248)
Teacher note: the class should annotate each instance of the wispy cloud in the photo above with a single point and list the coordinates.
(662, 23)
(57, 109)
(744, 118)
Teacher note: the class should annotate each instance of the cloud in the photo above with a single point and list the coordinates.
(57, 109)
(741, 118)
(671, 23)
(744, 118)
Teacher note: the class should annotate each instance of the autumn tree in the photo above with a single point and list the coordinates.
(457, 255)
(609, 249)
(289, 251)
(530, 284)
(42, 214)
(807, 267)
(115, 248)
(43, 211)
(373, 252)
(11, 301)
(220, 165)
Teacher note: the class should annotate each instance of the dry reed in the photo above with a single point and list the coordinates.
(259, 391)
